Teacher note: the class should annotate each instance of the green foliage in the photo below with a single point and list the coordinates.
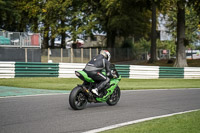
(117, 18)
(127, 44)
(9, 16)
(196, 5)
(168, 45)
(131, 20)
(122, 18)
(197, 47)
(142, 45)
(192, 20)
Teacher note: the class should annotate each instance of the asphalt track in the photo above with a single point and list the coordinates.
(52, 113)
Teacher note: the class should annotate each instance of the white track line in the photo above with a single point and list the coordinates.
(135, 121)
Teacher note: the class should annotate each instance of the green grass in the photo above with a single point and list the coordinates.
(125, 84)
(130, 84)
(41, 83)
(191, 63)
(184, 123)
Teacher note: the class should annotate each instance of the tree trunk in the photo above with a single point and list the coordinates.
(52, 43)
(153, 57)
(45, 42)
(35, 25)
(180, 46)
(46, 37)
(63, 35)
(110, 39)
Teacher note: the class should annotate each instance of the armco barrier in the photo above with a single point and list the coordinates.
(36, 69)
(7, 69)
(171, 72)
(67, 70)
(123, 70)
(144, 72)
(192, 72)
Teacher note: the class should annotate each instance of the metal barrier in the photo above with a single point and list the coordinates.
(192, 72)
(67, 70)
(19, 39)
(36, 69)
(171, 72)
(123, 70)
(144, 72)
(7, 69)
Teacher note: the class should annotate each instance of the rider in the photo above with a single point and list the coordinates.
(94, 68)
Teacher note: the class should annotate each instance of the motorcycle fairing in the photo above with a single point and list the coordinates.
(113, 84)
(83, 76)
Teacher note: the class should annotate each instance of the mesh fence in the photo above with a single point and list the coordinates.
(19, 39)
(82, 55)
(85, 54)
(20, 54)
(65, 55)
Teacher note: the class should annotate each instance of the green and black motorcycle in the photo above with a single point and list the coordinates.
(82, 94)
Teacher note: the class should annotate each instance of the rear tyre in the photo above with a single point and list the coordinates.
(114, 98)
(77, 99)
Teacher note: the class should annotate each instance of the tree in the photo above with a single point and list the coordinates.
(129, 19)
(185, 23)
(152, 5)
(195, 4)
(191, 22)
(153, 56)
(49, 18)
(10, 18)
(181, 46)
(183, 26)
(122, 18)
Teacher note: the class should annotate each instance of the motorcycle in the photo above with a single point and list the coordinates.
(81, 94)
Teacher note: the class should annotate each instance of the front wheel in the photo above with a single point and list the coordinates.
(114, 98)
(77, 98)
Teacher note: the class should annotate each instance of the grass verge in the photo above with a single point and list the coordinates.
(125, 84)
(184, 123)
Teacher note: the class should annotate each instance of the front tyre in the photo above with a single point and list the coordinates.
(114, 98)
(77, 99)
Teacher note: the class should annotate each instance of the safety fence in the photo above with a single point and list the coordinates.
(83, 55)
(67, 70)
(19, 39)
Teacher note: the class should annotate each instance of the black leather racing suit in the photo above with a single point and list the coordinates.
(94, 68)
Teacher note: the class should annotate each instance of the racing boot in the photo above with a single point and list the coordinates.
(95, 91)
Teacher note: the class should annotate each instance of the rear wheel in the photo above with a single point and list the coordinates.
(114, 98)
(77, 98)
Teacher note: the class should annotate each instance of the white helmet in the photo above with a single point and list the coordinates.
(106, 54)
